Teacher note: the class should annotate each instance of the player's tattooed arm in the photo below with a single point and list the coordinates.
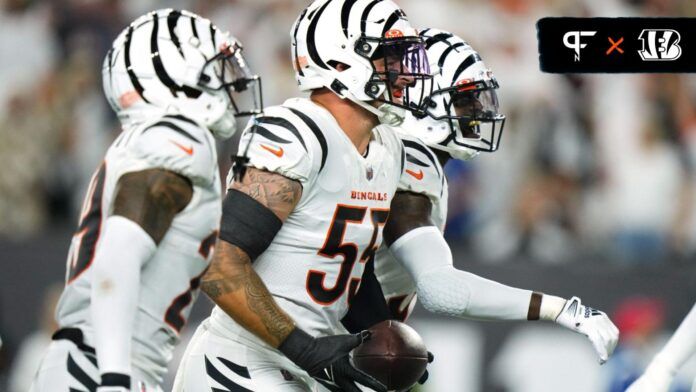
(279, 193)
(152, 198)
(232, 283)
(408, 211)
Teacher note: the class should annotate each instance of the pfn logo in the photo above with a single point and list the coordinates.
(575, 44)
(660, 45)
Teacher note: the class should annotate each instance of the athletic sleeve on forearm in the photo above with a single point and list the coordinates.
(680, 347)
(443, 289)
(123, 249)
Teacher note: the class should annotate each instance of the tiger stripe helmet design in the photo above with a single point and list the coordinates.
(462, 108)
(176, 62)
(362, 50)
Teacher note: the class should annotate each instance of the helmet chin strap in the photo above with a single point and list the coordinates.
(134, 117)
(462, 154)
(386, 114)
(393, 115)
(225, 126)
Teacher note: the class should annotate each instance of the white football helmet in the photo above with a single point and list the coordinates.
(362, 50)
(462, 106)
(171, 61)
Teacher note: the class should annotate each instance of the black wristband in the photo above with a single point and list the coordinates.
(296, 344)
(534, 306)
(115, 380)
(248, 224)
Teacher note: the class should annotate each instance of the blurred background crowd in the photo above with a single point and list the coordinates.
(593, 183)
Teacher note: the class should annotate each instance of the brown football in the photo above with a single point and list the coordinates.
(395, 355)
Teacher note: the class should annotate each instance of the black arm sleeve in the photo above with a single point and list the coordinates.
(247, 223)
(368, 307)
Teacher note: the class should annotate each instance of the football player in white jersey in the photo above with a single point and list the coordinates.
(302, 224)
(660, 373)
(151, 214)
(462, 120)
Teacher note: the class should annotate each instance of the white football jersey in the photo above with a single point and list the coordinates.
(424, 175)
(315, 263)
(169, 281)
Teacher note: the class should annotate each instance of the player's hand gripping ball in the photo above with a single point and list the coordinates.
(395, 355)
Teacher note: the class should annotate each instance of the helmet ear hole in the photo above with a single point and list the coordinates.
(338, 66)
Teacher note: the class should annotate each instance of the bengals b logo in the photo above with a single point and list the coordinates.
(660, 45)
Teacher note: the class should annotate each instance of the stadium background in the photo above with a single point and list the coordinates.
(592, 192)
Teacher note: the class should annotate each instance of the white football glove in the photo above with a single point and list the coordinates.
(592, 323)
